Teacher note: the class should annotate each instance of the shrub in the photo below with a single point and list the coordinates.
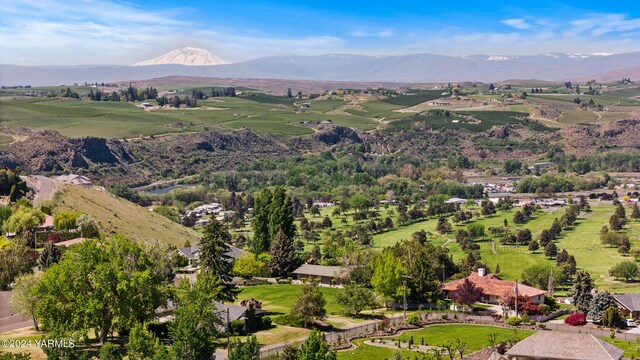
(413, 319)
(286, 320)
(264, 322)
(576, 319)
(160, 330)
(514, 321)
(237, 326)
(110, 351)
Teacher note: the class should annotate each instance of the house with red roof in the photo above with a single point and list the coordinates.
(494, 288)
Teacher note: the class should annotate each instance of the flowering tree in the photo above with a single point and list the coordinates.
(576, 319)
(466, 293)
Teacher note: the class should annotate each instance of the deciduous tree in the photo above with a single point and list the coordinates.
(315, 347)
(309, 304)
(355, 297)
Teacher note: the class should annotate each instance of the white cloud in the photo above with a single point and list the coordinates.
(386, 33)
(602, 24)
(106, 32)
(520, 24)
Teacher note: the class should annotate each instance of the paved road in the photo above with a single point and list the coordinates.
(8, 320)
(45, 187)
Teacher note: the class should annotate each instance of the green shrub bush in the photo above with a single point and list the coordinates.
(514, 321)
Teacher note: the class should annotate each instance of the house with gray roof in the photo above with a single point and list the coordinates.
(325, 274)
(192, 253)
(551, 345)
(228, 313)
(629, 304)
(485, 354)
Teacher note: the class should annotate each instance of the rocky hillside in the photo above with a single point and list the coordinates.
(138, 162)
(143, 161)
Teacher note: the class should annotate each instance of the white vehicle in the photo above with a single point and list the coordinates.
(630, 322)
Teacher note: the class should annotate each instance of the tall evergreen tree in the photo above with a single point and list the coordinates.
(599, 304)
(281, 214)
(283, 255)
(50, 255)
(261, 237)
(215, 259)
(581, 291)
(635, 213)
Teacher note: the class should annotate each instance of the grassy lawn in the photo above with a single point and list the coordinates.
(582, 240)
(631, 348)
(278, 334)
(475, 336)
(279, 298)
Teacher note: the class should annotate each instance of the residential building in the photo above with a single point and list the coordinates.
(629, 304)
(550, 345)
(485, 354)
(73, 179)
(494, 288)
(192, 253)
(324, 273)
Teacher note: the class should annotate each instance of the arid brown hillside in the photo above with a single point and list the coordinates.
(138, 162)
(143, 161)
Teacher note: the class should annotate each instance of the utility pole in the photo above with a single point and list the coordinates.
(515, 289)
(404, 306)
(404, 286)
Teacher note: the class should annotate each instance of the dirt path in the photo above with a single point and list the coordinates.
(449, 241)
(493, 247)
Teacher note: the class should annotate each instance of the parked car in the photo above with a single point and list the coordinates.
(630, 322)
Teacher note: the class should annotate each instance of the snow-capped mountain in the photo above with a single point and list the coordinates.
(188, 56)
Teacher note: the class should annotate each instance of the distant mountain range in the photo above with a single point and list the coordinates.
(188, 56)
(423, 68)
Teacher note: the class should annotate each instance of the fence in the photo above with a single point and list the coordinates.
(341, 334)
(593, 331)
(431, 318)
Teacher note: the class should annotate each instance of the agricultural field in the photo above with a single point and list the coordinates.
(414, 97)
(76, 118)
(280, 115)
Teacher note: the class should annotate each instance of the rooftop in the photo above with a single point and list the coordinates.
(629, 301)
(320, 270)
(565, 346)
(493, 285)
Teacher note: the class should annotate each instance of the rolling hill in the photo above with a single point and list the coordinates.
(118, 216)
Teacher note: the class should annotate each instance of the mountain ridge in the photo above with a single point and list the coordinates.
(188, 56)
(344, 67)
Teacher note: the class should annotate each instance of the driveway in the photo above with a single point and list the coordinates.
(8, 320)
(44, 187)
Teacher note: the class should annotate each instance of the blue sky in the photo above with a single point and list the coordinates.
(58, 32)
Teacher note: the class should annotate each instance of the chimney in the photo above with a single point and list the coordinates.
(481, 271)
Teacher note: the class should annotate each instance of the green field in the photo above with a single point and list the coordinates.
(476, 121)
(77, 118)
(582, 240)
(475, 336)
(414, 97)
